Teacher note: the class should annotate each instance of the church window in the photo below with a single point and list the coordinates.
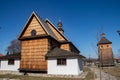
(61, 61)
(10, 61)
(107, 45)
(101, 46)
(33, 33)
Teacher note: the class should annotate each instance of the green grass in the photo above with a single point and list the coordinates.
(21, 77)
(89, 76)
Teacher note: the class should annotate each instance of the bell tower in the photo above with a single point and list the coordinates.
(105, 51)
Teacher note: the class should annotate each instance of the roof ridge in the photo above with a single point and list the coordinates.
(38, 18)
(56, 29)
(25, 25)
(46, 27)
(41, 21)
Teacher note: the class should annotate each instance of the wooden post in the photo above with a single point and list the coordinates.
(100, 65)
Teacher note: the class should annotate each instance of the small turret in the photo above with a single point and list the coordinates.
(103, 35)
(60, 27)
(104, 40)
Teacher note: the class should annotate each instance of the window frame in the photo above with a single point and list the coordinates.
(61, 61)
(33, 32)
(101, 46)
(107, 46)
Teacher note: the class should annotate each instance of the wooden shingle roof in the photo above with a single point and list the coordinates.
(104, 40)
(11, 56)
(45, 26)
(48, 21)
(57, 52)
(47, 29)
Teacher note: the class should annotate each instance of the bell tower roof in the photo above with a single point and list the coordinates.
(104, 40)
(103, 34)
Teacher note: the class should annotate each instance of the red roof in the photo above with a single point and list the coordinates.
(117, 58)
(1, 55)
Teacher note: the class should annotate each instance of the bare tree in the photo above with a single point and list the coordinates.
(14, 47)
(118, 54)
(98, 36)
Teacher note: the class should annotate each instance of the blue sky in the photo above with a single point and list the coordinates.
(82, 20)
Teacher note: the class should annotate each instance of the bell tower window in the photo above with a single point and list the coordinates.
(101, 46)
(33, 33)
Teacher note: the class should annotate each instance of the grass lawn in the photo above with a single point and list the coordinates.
(115, 71)
(89, 76)
(32, 77)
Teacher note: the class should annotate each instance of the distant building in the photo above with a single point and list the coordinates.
(0, 57)
(105, 51)
(90, 61)
(117, 60)
(1, 54)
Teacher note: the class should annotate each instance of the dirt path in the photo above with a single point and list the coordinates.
(104, 76)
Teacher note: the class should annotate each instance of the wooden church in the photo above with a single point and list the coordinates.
(105, 51)
(39, 40)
